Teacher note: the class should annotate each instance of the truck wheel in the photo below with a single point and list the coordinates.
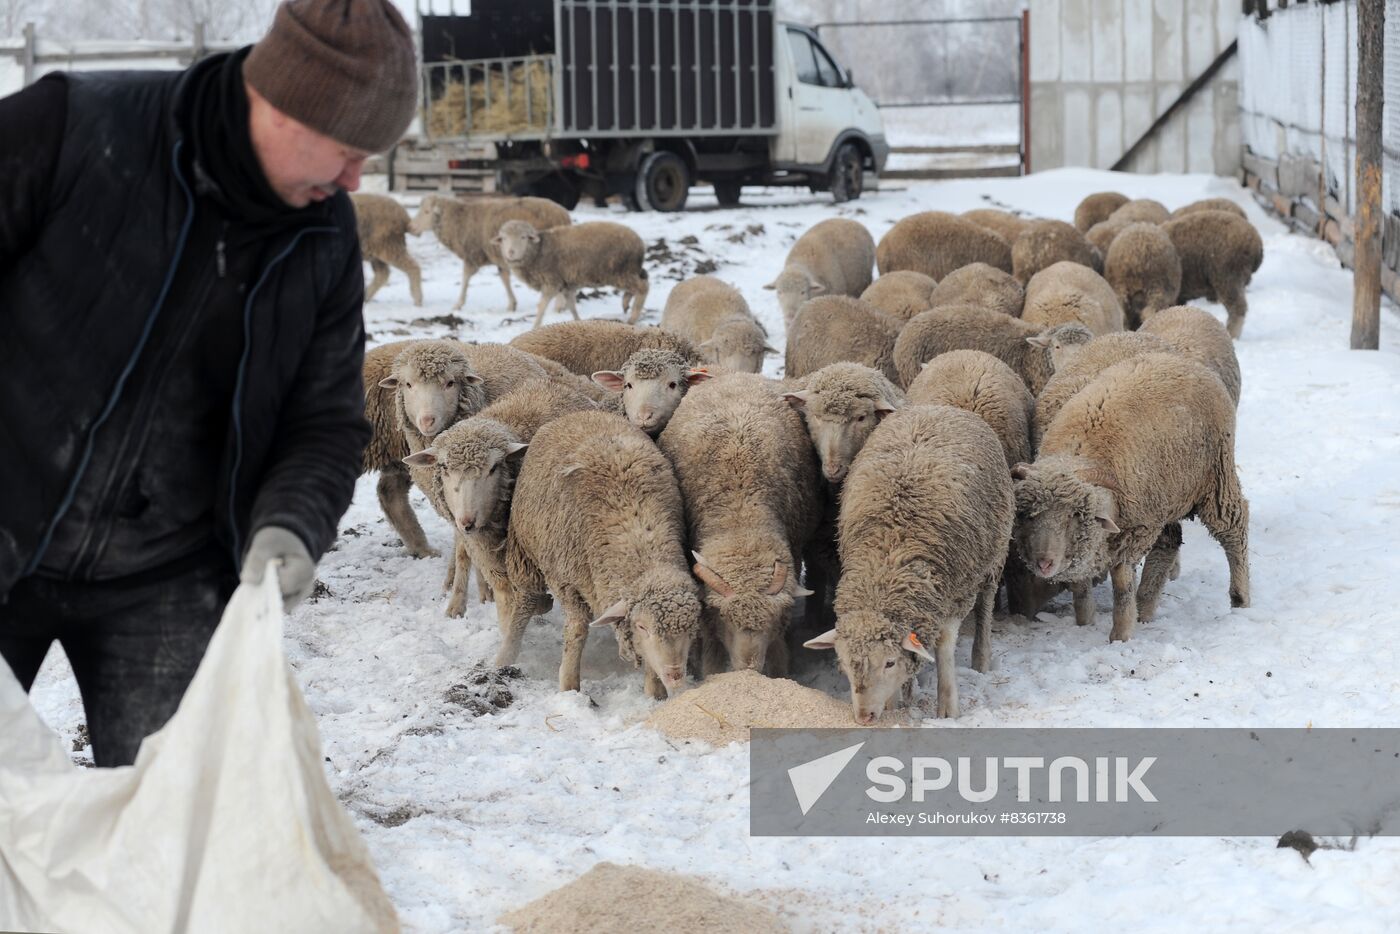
(847, 174)
(663, 182)
(727, 193)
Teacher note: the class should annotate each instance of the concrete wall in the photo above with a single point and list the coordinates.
(1103, 70)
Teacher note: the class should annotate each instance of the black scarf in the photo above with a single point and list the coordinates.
(215, 117)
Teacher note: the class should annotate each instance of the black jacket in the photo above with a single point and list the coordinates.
(87, 260)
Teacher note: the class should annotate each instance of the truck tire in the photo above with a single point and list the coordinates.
(727, 193)
(663, 182)
(847, 174)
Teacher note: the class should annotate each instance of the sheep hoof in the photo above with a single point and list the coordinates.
(456, 607)
(424, 552)
(1238, 600)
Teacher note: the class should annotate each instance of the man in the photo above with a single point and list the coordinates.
(180, 345)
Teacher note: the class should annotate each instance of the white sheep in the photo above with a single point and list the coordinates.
(560, 261)
(1068, 291)
(835, 328)
(713, 316)
(834, 257)
(382, 223)
(651, 383)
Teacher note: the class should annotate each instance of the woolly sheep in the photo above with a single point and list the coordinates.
(748, 477)
(834, 328)
(1150, 442)
(1101, 235)
(1096, 208)
(832, 258)
(935, 243)
(979, 383)
(652, 384)
(982, 285)
(1210, 204)
(585, 347)
(468, 228)
(1144, 271)
(382, 224)
(475, 463)
(901, 294)
(841, 404)
(1141, 210)
(713, 316)
(967, 327)
(1064, 341)
(1046, 242)
(559, 261)
(597, 519)
(1194, 333)
(387, 448)
(1004, 224)
(1074, 372)
(1220, 253)
(1066, 292)
(926, 516)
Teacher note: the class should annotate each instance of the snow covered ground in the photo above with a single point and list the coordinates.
(468, 817)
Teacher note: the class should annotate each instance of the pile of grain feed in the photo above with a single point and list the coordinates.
(723, 708)
(610, 898)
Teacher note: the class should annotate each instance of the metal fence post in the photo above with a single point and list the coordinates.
(1370, 99)
(30, 53)
(1026, 92)
(199, 48)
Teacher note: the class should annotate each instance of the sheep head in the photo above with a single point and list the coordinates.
(878, 658)
(841, 405)
(656, 624)
(652, 383)
(435, 385)
(476, 460)
(1064, 518)
(518, 242)
(752, 611)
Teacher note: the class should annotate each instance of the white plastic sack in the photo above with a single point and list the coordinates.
(225, 822)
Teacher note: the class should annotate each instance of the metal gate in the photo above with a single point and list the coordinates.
(954, 93)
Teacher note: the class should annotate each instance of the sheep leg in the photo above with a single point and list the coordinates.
(484, 591)
(468, 270)
(402, 261)
(1083, 602)
(510, 293)
(1225, 514)
(457, 606)
(570, 300)
(381, 276)
(982, 636)
(393, 489)
(1165, 553)
(639, 297)
(947, 669)
(514, 612)
(576, 620)
(545, 298)
(1124, 575)
(1232, 297)
(655, 687)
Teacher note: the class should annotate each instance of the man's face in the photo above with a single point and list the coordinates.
(302, 165)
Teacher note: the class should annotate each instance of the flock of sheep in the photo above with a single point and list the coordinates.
(1013, 403)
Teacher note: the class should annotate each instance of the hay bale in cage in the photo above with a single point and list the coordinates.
(526, 108)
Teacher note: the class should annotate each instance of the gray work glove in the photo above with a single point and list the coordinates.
(297, 573)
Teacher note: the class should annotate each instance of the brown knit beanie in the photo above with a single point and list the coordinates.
(345, 68)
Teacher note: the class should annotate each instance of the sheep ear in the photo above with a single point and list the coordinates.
(613, 615)
(912, 643)
(472, 378)
(389, 382)
(826, 640)
(771, 286)
(1020, 471)
(610, 380)
(513, 449)
(697, 375)
(798, 400)
(424, 458)
(883, 408)
(800, 591)
(496, 240)
(1109, 525)
(772, 350)
(534, 237)
(1039, 340)
(815, 288)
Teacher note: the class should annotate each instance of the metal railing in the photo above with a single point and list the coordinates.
(35, 53)
(496, 98)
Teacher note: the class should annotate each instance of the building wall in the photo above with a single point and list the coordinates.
(1103, 70)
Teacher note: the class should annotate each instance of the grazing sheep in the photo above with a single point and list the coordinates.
(1068, 292)
(387, 448)
(475, 463)
(560, 261)
(468, 228)
(967, 327)
(1096, 208)
(714, 317)
(1064, 341)
(1194, 333)
(597, 520)
(834, 328)
(1210, 204)
(585, 347)
(748, 477)
(1144, 271)
(1101, 235)
(1148, 443)
(1141, 211)
(901, 294)
(1220, 252)
(382, 224)
(935, 243)
(832, 258)
(926, 516)
(1004, 224)
(841, 404)
(979, 383)
(652, 384)
(981, 285)
(1074, 372)
(1047, 242)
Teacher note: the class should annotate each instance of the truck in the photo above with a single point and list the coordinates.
(636, 98)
